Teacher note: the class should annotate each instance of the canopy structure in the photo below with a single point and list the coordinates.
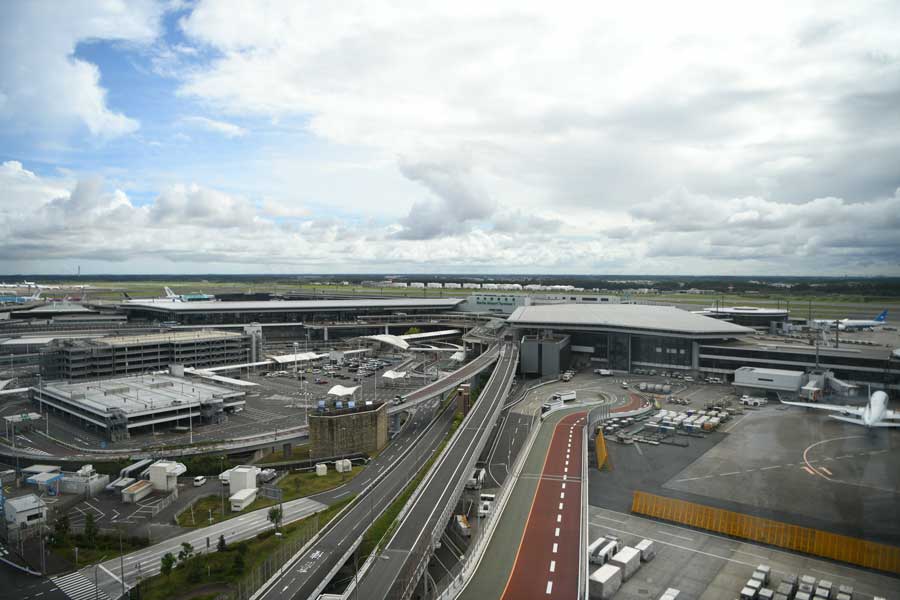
(301, 357)
(341, 391)
(391, 340)
(394, 374)
(458, 356)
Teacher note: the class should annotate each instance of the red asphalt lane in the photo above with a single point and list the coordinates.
(546, 565)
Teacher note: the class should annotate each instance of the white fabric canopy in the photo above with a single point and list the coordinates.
(340, 390)
(394, 374)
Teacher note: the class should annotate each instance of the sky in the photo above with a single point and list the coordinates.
(695, 138)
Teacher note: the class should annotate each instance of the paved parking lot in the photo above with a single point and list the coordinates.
(710, 567)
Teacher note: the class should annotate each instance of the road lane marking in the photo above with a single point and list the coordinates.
(555, 547)
(556, 534)
(559, 518)
(808, 470)
(562, 495)
(552, 566)
(549, 587)
(560, 506)
(683, 537)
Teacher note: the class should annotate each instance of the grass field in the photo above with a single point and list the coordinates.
(211, 574)
(208, 510)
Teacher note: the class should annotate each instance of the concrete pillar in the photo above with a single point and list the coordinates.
(325, 333)
(386, 332)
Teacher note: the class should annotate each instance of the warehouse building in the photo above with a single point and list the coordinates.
(77, 359)
(121, 407)
(284, 311)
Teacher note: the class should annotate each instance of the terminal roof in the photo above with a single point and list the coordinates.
(624, 316)
(296, 305)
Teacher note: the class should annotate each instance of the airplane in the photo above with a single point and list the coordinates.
(874, 414)
(844, 324)
(169, 297)
(21, 299)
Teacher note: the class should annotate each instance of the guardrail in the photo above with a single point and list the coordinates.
(426, 542)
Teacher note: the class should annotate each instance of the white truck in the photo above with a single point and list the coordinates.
(603, 372)
(753, 401)
(564, 396)
(476, 480)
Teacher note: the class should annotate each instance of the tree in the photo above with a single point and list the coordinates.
(90, 530)
(186, 552)
(221, 546)
(61, 528)
(166, 563)
(275, 516)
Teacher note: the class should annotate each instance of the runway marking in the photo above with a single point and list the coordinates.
(552, 566)
(560, 506)
(770, 468)
(562, 495)
(556, 533)
(559, 518)
(555, 547)
(682, 537)
(610, 519)
(731, 473)
(563, 486)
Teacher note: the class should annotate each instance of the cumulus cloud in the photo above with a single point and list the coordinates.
(43, 84)
(229, 130)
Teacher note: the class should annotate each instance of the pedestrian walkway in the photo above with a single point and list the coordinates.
(78, 587)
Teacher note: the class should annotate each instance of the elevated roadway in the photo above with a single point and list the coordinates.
(307, 574)
(406, 555)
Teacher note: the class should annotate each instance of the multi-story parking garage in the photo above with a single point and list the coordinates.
(123, 406)
(75, 359)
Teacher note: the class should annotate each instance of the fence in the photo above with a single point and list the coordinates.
(855, 551)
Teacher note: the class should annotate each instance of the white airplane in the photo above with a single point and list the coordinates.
(844, 324)
(874, 414)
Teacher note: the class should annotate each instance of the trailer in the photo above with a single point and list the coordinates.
(605, 582)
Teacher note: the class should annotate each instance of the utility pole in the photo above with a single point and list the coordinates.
(121, 562)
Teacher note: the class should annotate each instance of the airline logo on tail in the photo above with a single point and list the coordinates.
(882, 317)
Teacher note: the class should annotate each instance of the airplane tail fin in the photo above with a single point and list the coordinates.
(127, 297)
(882, 317)
(169, 292)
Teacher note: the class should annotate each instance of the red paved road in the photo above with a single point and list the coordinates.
(546, 565)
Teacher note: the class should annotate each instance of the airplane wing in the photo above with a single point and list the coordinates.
(859, 422)
(844, 410)
(891, 414)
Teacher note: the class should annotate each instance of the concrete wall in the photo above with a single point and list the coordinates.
(337, 433)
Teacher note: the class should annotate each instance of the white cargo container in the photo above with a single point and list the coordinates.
(321, 469)
(343, 466)
(647, 549)
(605, 582)
(242, 499)
(628, 559)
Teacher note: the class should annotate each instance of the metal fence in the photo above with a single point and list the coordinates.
(855, 551)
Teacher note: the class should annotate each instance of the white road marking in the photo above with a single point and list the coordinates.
(559, 518)
(555, 546)
(556, 534)
(549, 587)
(560, 506)
(552, 566)
(682, 537)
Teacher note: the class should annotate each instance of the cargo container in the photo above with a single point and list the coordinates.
(647, 550)
(778, 596)
(766, 594)
(845, 589)
(242, 499)
(643, 387)
(748, 593)
(802, 596)
(321, 470)
(605, 582)
(628, 559)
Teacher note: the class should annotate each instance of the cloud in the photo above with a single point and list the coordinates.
(43, 84)
(229, 130)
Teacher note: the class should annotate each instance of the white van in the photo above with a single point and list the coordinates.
(199, 480)
(484, 509)
(488, 497)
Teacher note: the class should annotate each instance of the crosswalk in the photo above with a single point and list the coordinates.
(78, 587)
(34, 450)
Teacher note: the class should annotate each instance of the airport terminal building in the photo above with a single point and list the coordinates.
(630, 337)
(621, 337)
(284, 311)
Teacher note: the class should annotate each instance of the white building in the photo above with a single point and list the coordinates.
(23, 513)
(164, 475)
(434, 285)
(242, 478)
(471, 286)
(452, 286)
(416, 284)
